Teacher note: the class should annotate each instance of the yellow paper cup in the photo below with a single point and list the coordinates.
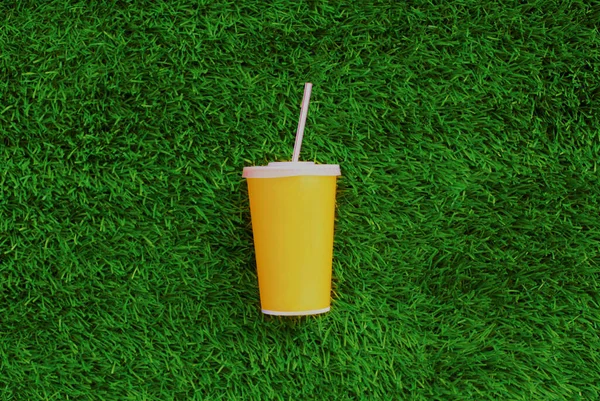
(292, 206)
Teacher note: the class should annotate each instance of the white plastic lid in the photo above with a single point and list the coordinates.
(291, 169)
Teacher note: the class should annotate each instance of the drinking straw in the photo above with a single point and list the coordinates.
(302, 122)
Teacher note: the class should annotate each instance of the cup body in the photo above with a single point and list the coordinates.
(293, 225)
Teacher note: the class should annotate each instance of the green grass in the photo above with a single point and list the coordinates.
(466, 261)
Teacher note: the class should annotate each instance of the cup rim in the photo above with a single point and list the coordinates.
(291, 169)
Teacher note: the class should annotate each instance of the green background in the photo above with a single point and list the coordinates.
(466, 257)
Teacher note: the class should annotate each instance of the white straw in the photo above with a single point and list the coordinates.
(302, 122)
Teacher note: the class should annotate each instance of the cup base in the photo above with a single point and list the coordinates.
(296, 313)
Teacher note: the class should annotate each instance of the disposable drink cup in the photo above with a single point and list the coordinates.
(292, 206)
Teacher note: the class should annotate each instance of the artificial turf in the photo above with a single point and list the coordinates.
(466, 257)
